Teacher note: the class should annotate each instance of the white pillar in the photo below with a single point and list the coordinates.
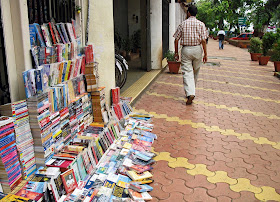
(101, 35)
(156, 33)
(172, 24)
(17, 44)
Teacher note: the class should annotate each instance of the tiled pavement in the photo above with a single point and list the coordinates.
(224, 147)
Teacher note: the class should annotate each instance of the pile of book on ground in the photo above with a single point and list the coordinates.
(10, 169)
(106, 163)
(24, 139)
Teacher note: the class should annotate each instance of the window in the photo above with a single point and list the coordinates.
(42, 11)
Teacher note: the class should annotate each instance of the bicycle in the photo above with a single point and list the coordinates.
(121, 68)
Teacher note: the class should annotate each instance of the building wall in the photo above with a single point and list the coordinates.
(156, 33)
(101, 34)
(17, 44)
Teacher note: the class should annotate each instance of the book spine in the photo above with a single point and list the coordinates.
(52, 33)
(39, 34)
(60, 33)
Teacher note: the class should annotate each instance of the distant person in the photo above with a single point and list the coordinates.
(208, 32)
(192, 34)
(221, 34)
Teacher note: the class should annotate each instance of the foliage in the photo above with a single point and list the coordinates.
(255, 45)
(127, 45)
(214, 12)
(268, 40)
(276, 51)
(264, 13)
(259, 12)
(118, 40)
(170, 55)
(136, 40)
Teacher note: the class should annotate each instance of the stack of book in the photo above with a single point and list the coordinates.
(99, 105)
(124, 171)
(41, 127)
(10, 169)
(73, 119)
(57, 138)
(65, 125)
(79, 113)
(24, 139)
(87, 109)
(91, 73)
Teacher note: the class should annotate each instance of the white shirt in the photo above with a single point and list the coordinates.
(221, 32)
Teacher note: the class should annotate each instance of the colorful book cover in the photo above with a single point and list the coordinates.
(32, 33)
(60, 33)
(38, 80)
(65, 66)
(27, 88)
(81, 167)
(59, 52)
(52, 33)
(61, 67)
(70, 31)
(39, 35)
(31, 81)
(15, 198)
(74, 166)
(64, 32)
(67, 70)
(57, 37)
(46, 35)
(69, 180)
(45, 76)
(74, 28)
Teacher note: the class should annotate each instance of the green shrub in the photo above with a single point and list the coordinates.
(170, 55)
(276, 51)
(255, 45)
(268, 40)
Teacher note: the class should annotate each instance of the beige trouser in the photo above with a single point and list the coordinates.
(191, 59)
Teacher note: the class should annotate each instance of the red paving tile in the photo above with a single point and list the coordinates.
(246, 196)
(175, 196)
(222, 189)
(239, 158)
(199, 194)
(178, 185)
(200, 181)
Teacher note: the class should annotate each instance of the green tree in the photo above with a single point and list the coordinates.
(215, 12)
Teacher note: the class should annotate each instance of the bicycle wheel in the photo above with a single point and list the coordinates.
(118, 73)
(124, 67)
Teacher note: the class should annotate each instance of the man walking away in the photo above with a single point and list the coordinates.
(192, 34)
(221, 35)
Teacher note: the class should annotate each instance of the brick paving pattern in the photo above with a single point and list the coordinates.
(226, 145)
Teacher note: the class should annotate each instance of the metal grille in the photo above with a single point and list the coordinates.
(165, 26)
(42, 11)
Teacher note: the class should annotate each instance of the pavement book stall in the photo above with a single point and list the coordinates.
(64, 142)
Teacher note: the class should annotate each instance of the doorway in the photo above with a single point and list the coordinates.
(4, 82)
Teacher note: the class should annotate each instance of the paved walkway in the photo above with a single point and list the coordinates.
(224, 147)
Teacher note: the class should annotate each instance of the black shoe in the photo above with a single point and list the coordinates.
(190, 99)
